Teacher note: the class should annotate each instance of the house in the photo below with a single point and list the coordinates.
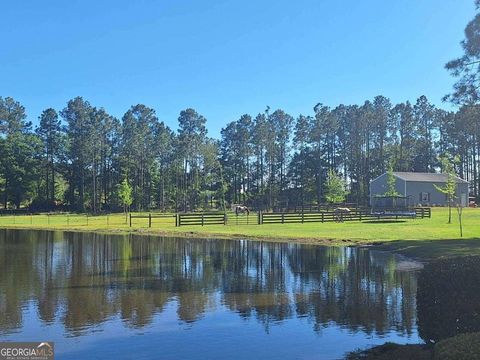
(419, 187)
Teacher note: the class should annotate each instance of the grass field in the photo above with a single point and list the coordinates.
(425, 238)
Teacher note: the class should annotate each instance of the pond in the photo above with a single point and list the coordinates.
(103, 296)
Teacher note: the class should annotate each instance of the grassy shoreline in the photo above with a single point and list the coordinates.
(422, 239)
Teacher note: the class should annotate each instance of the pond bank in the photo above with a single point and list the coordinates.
(420, 239)
(418, 250)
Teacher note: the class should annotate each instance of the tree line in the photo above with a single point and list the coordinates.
(76, 158)
(81, 158)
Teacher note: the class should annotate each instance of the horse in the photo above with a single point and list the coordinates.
(241, 209)
(339, 212)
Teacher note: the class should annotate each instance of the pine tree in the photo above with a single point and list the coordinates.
(77, 115)
(49, 133)
(18, 150)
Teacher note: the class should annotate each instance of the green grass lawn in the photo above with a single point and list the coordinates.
(425, 238)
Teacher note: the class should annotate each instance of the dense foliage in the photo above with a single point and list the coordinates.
(448, 298)
(460, 347)
(77, 158)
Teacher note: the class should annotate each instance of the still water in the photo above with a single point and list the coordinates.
(139, 297)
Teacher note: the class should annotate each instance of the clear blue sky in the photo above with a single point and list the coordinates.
(227, 58)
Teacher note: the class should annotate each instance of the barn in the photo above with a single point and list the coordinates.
(419, 187)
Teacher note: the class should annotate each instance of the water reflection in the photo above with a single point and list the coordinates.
(84, 280)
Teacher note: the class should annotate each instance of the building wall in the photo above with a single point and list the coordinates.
(431, 196)
(414, 189)
(378, 186)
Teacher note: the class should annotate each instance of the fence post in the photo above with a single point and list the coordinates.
(283, 218)
(423, 214)
(302, 216)
(360, 212)
(130, 220)
(149, 220)
(322, 216)
(202, 219)
(224, 219)
(176, 220)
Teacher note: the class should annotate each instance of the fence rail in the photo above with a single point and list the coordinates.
(242, 219)
(423, 212)
(308, 217)
(332, 216)
(201, 219)
(217, 218)
(152, 216)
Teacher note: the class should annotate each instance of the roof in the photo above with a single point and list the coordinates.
(425, 177)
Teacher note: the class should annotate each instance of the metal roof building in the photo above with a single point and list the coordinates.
(420, 188)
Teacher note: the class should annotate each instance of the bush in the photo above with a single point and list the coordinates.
(392, 351)
(460, 347)
(448, 298)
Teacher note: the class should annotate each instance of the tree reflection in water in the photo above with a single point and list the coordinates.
(83, 280)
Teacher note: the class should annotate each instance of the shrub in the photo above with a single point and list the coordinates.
(448, 298)
(460, 347)
(392, 351)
